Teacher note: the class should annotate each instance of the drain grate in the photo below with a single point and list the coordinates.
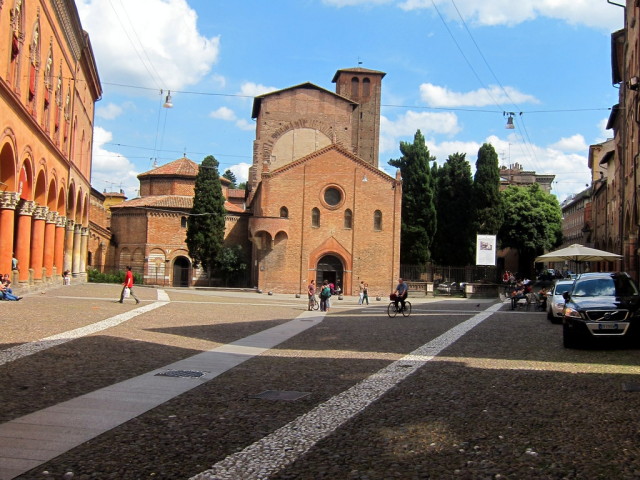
(631, 387)
(286, 395)
(180, 373)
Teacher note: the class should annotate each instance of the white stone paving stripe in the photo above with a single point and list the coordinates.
(274, 452)
(26, 349)
(48, 432)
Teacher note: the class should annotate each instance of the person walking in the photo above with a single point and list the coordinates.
(128, 284)
(361, 293)
(311, 291)
(365, 294)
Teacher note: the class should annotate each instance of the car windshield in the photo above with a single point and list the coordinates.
(562, 287)
(605, 287)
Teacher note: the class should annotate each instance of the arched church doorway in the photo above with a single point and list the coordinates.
(329, 268)
(181, 270)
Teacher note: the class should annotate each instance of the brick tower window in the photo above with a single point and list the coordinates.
(355, 86)
(348, 218)
(284, 212)
(183, 222)
(377, 220)
(315, 217)
(366, 87)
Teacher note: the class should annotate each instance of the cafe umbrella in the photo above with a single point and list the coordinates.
(579, 254)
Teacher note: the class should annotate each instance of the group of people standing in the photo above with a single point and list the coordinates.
(364, 293)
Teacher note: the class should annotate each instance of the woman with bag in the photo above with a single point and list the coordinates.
(127, 287)
(325, 294)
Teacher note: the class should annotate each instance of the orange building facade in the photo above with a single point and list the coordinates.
(48, 88)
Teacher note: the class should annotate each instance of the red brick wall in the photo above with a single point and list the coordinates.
(288, 262)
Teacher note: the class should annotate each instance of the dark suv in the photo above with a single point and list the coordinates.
(600, 306)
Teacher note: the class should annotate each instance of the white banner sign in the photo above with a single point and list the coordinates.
(485, 250)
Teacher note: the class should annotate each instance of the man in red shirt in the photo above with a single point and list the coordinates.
(128, 283)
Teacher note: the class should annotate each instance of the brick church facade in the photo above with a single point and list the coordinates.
(316, 205)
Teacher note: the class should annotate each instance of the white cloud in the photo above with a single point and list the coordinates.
(251, 89)
(109, 111)
(111, 171)
(152, 43)
(241, 171)
(592, 13)
(573, 143)
(228, 115)
(223, 113)
(596, 14)
(243, 124)
(406, 125)
(436, 96)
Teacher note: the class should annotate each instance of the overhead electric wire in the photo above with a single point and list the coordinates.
(528, 141)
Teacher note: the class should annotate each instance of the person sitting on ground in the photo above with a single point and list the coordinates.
(66, 277)
(6, 295)
(6, 281)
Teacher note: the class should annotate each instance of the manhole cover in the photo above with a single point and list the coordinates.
(280, 395)
(631, 387)
(180, 373)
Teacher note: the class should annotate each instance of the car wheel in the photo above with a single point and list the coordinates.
(549, 315)
(569, 337)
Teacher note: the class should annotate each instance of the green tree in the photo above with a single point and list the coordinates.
(532, 223)
(454, 240)
(487, 206)
(205, 226)
(230, 263)
(418, 201)
(229, 175)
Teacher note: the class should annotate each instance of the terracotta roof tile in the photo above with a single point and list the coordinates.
(159, 201)
(183, 166)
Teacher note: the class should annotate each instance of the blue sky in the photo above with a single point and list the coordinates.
(453, 68)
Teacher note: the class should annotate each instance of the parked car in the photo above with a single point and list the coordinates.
(600, 306)
(555, 300)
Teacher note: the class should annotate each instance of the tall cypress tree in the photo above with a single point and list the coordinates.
(418, 201)
(454, 239)
(487, 202)
(229, 175)
(205, 227)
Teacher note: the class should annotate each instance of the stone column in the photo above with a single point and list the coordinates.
(8, 203)
(68, 245)
(49, 242)
(23, 238)
(84, 249)
(58, 255)
(37, 241)
(75, 266)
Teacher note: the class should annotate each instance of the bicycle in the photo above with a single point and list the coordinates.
(313, 303)
(392, 311)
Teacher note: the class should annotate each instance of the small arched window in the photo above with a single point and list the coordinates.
(355, 86)
(284, 212)
(366, 87)
(348, 218)
(183, 222)
(315, 217)
(377, 220)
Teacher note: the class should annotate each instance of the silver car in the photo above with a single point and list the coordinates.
(555, 300)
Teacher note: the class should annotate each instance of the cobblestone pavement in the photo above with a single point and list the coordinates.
(457, 390)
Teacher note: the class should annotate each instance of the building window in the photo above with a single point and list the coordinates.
(183, 222)
(284, 212)
(377, 220)
(332, 196)
(315, 217)
(355, 86)
(366, 87)
(348, 218)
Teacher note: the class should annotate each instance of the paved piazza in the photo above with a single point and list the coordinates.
(199, 384)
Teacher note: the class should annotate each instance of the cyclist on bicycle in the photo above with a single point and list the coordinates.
(401, 292)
